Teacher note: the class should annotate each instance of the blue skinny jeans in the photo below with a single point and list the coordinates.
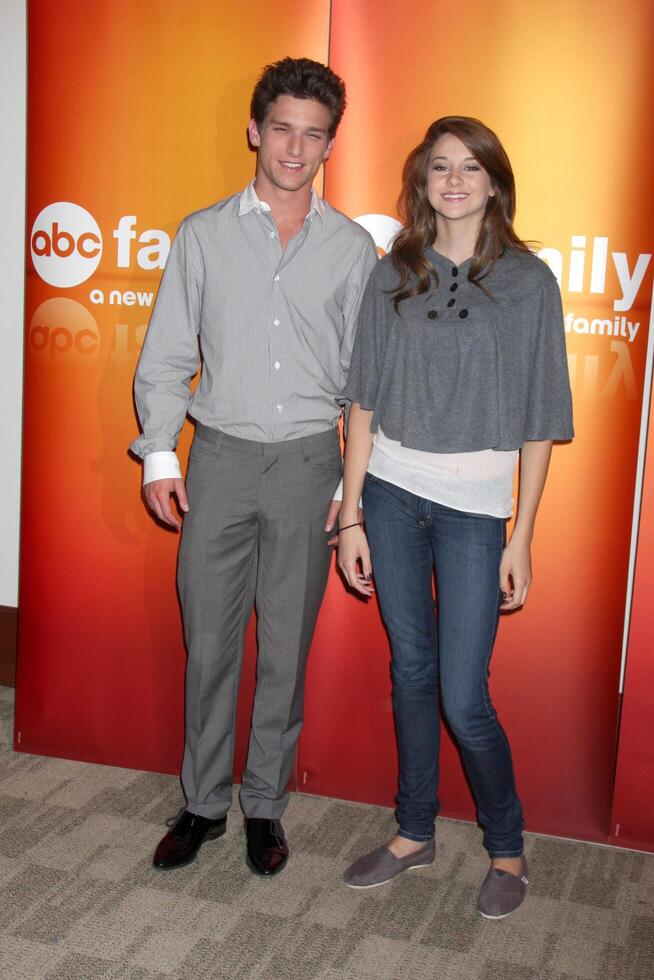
(451, 651)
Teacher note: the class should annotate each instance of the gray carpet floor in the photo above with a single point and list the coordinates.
(79, 898)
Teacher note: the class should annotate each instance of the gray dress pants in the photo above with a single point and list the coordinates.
(254, 534)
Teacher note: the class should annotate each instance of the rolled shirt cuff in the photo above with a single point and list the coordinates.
(161, 466)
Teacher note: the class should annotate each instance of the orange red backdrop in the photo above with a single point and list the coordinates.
(156, 130)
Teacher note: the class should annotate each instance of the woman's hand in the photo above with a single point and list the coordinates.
(333, 516)
(354, 559)
(515, 573)
(515, 567)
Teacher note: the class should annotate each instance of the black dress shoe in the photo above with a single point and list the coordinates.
(184, 839)
(267, 851)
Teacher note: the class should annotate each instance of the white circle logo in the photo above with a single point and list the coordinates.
(382, 227)
(66, 244)
(63, 326)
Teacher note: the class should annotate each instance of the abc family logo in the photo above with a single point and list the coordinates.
(66, 244)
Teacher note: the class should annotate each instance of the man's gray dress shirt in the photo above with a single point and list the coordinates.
(272, 330)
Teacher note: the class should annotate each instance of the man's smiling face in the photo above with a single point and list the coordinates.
(292, 144)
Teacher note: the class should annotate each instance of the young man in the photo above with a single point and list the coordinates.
(265, 286)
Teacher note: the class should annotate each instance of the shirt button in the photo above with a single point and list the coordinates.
(451, 302)
(276, 278)
(280, 408)
(432, 314)
(455, 271)
(454, 287)
(277, 365)
(463, 314)
(275, 323)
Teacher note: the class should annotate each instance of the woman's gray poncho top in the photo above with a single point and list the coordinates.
(458, 371)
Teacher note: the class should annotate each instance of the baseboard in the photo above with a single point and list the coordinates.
(8, 632)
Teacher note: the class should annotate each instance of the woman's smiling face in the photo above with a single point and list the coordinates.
(458, 187)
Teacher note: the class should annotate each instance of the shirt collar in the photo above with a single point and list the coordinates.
(250, 202)
(443, 263)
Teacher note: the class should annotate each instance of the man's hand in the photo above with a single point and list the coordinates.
(332, 517)
(157, 496)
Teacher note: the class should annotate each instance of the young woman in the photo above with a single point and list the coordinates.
(458, 366)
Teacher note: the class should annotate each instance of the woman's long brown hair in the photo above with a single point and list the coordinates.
(419, 218)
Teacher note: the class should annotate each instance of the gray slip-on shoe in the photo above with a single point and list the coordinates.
(502, 892)
(381, 866)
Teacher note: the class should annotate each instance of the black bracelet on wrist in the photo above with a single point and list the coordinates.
(356, 524)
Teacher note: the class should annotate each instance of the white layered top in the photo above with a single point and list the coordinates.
(476, 482)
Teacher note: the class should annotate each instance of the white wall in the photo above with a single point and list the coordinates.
(12, 279)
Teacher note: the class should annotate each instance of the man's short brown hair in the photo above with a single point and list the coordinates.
(302, 79)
